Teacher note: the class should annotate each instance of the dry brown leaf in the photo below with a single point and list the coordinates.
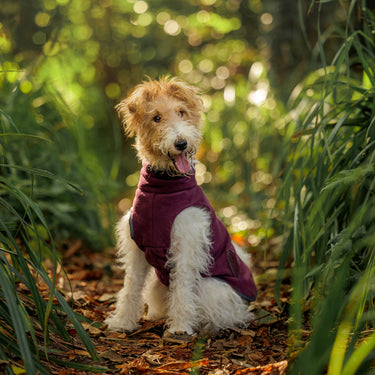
(184, 365)
(278, 368)
(94, 331)
(112, 356)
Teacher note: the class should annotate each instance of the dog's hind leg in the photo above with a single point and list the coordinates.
(155, 295)
(221, 307)
(129, 305)
(188, 259)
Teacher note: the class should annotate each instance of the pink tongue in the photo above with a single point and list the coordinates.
(182, 163)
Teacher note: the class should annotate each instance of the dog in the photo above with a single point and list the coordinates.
(177, 255)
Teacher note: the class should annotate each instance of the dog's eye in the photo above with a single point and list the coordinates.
(181, 113)
(157, 118)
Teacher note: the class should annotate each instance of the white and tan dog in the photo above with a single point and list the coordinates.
(177, 256)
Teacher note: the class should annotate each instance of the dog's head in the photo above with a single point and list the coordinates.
(165, 117)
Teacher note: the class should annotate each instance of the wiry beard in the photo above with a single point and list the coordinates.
(169, 166)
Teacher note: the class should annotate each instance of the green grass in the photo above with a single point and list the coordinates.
(41, 151)
(22, 262)
(328, 190)
(39, 134)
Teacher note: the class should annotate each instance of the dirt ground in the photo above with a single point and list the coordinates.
(95, 279)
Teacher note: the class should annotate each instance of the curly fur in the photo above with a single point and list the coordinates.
(159, 113)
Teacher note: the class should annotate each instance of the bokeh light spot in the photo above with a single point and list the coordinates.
(217, 83)
(185, 66)
(266, 18)
(256, 71)
(140, 7)
(257, 97)
(206, 65)
(172, 27)
(229, 94)
(26, 87)
(222, 72)
(229, 211)
(203, 16)
(42, 19)
(132, 179)
(82, 32)
(112, 90)
(39, 37)
(162, 18)
(145, 19)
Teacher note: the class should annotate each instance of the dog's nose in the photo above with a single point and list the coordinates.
(181, 145)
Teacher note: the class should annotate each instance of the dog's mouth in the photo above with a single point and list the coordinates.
(182, 163)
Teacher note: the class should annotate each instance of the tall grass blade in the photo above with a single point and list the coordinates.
(330, 183)
(18, 318)
(43, 173)
(358, 357)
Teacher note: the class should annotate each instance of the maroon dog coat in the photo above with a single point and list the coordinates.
(158, 200)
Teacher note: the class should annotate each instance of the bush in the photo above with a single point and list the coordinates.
(42, 148)
(39, 132)
(27, 319)
(328, 188)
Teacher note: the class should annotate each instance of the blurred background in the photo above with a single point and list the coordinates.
(66, 63)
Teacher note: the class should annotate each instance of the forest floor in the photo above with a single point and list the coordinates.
(94, 282)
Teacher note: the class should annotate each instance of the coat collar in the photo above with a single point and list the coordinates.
(162, 183)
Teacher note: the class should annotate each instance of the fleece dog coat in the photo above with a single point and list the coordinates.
(158, 200)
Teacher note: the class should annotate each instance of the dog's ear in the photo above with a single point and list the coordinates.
(186, 93)
(129, 111)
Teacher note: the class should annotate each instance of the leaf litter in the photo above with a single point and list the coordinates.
(94, 281)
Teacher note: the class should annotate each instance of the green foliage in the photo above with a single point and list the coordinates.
(25, 237)
(40, 135)
(43, 145)
(34, 203)
(328, 188)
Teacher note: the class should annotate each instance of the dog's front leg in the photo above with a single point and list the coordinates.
(188, 258)
(129, 305)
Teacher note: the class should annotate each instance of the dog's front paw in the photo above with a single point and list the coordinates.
(120, 324)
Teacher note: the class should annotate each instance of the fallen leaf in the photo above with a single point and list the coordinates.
(182, 365)
(112, 356)
(105, 297)
(278, 368)
(94, 331)
(245, 340)
(153, 359)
